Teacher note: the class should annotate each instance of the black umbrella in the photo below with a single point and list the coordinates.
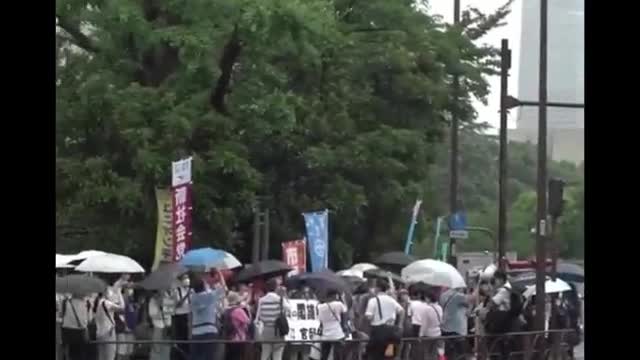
(353, 281)
(383, 274)
(322, 282)
(264, 269)
(395, 259)
(80, 284)
(521, 281)
(570, 272)
(163, 278)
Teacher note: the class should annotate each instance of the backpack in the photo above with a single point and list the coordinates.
(516, 301)
(499, 321)
(144, 327)
(228, 330)
(86, 336)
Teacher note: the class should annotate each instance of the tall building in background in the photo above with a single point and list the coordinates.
(565, 79)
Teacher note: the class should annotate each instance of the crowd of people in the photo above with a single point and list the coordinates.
(187, 321)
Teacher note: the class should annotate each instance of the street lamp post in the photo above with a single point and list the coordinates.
(511, 102)
(541, 224)
(260, 243)
(505, 65)
(453, 170)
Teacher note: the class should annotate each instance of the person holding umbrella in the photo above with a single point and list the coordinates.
(205, 307)
(130, 314)
(455, 306)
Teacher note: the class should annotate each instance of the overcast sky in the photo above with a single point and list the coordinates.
(510, 31)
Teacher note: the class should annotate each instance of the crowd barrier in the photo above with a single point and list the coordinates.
(548, 345)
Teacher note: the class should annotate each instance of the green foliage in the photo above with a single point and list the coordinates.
(479, 191)
(307, 104)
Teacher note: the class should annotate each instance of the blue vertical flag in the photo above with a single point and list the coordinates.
(317, 224)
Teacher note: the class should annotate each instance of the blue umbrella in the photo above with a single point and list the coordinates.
(205, 257)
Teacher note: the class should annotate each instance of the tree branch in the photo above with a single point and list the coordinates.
(230, 55)
(79, 38)
(484, 23)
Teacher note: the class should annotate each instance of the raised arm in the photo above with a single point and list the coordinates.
(223, 282)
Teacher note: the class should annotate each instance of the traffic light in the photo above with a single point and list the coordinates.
(556, 201)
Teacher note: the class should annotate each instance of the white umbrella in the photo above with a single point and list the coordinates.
(83, 255)
(351, 273)
(229, 262)
(488, 272)
(550, 287)
(62, 261)
(363, 267)
(433, 272)
(110, 263)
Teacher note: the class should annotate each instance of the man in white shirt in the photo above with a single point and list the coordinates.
(383, 311)
(114, 296)
(502, 297)
(502, 302)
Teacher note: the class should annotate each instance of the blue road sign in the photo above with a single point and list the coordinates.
(458, 221)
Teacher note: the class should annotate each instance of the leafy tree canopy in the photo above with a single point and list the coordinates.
(303, 104)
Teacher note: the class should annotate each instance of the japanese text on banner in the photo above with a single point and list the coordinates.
(181, 220)
(164, 233)
(294, 254)
(317, 225)
(303, 320)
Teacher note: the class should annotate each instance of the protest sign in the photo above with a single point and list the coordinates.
(294, 254)
(303, 320)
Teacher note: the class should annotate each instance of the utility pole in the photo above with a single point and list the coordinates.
(260, 245)
(555, 207)
(453, 185)
(542, 226)
(255, 245)
(505, 65)
(265, 235)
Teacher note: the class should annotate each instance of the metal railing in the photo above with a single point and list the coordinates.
(548, 345)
